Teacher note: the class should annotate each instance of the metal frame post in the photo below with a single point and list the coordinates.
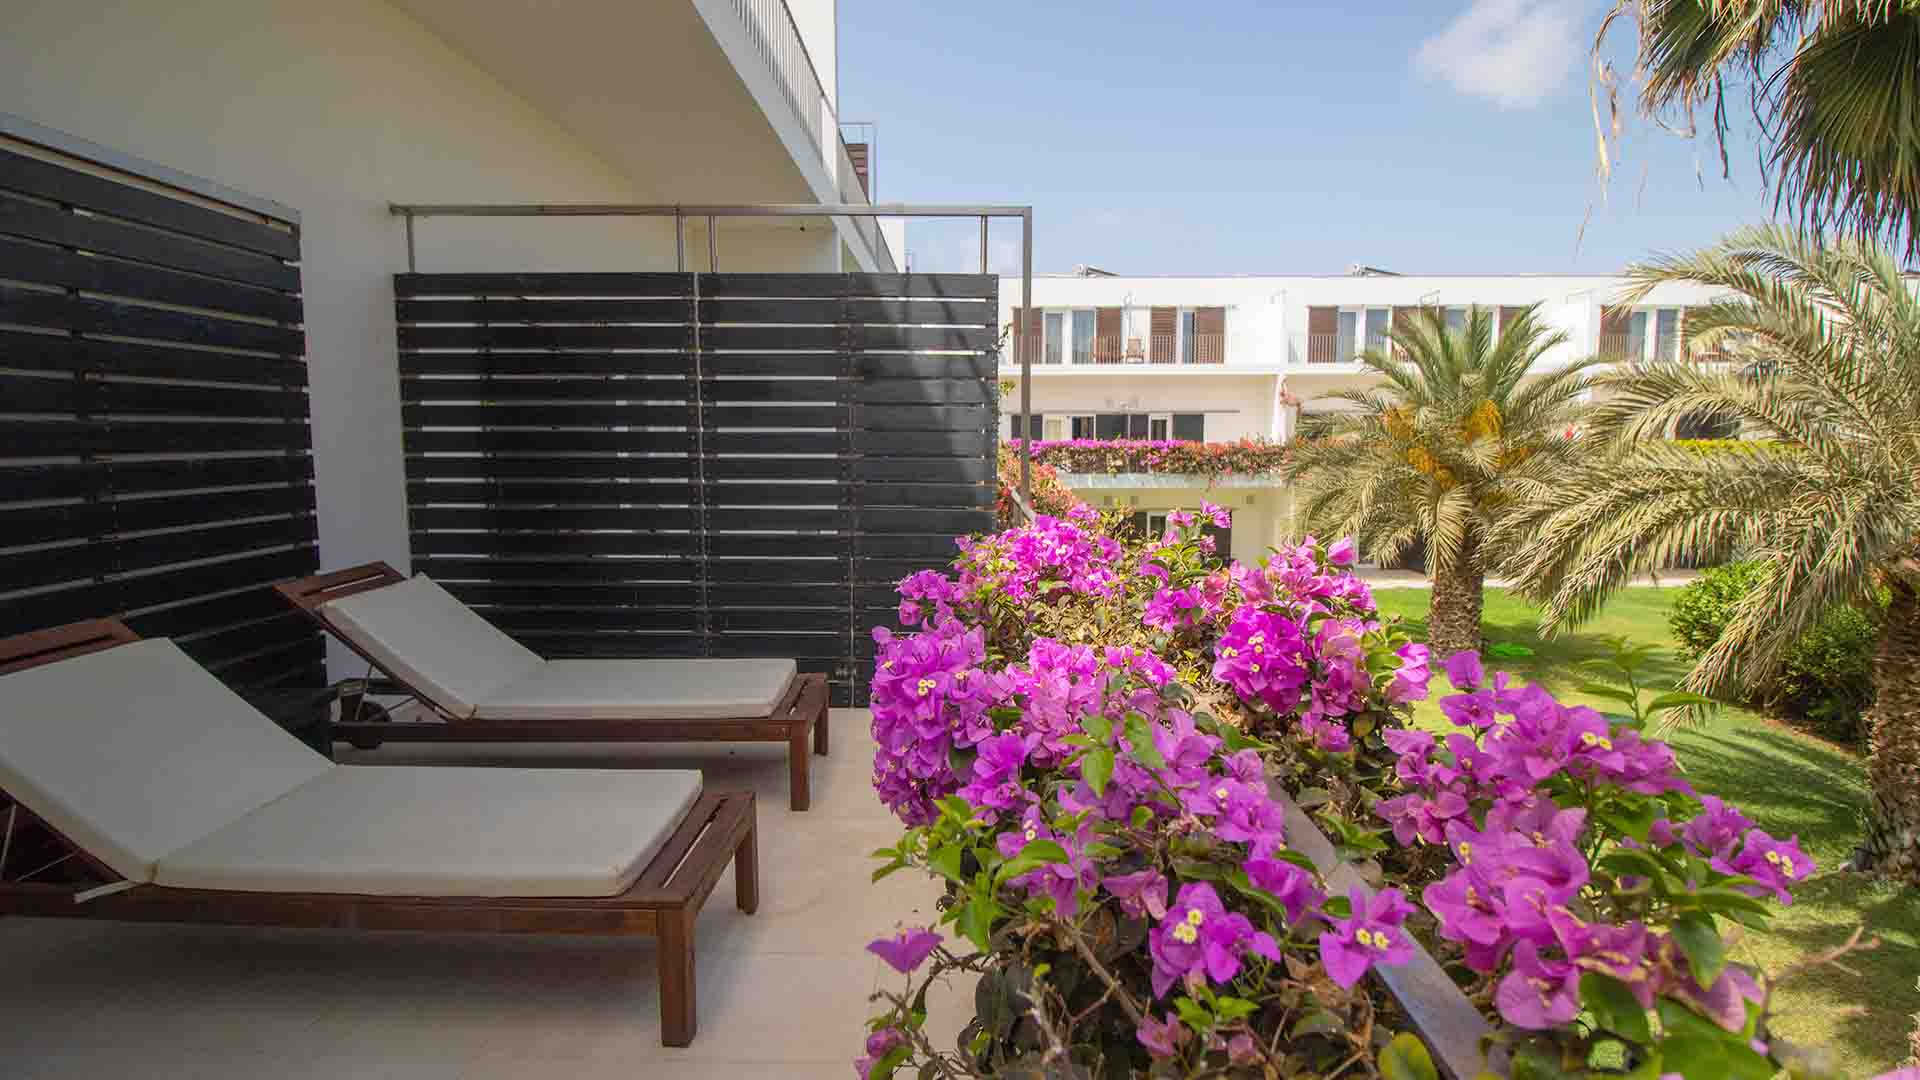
(1026, 362)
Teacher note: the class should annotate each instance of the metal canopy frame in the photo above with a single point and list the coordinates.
(681, 212)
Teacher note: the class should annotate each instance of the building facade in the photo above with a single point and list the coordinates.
(1221, 359)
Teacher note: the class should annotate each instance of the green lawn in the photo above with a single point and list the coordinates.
(1787, 782)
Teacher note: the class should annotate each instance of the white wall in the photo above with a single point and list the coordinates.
(1258, 514)
(337, 110)
(1236, 406)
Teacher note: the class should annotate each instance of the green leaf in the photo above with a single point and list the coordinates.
(1614, 1007)
(886, 870)
(1700, 940)
(1096, 768)
(1406, 1058)
(1613, 693)
(975, 922)
(1338, 907)
(1142, 817)
(1696, 1057)
(1680, 699)
(1099, 727)
(945, 861)
(1229, 1009)
(1634, 818)
(1140, 737)
(1624, 862)
(1312, 797)
(1318, 1022)
(1192, 1014)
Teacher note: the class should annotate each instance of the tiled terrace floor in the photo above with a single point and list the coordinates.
(781, 994)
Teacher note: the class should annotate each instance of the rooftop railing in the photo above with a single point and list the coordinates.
(775, 36)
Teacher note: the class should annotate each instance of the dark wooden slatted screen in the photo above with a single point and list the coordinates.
(1162, 326)
(154, 449)
(1210, 328)
(695, 465)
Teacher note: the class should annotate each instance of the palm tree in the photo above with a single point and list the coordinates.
(1824, 343)
(1833, 87)
(1432, 454)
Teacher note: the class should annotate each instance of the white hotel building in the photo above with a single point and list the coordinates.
(1225, 358)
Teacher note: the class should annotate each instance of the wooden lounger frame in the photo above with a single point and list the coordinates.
(662, 903)
(802, 712)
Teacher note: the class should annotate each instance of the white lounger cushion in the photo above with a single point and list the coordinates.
(642, 690)
(425, 636)
(399, 831)
(135, 751)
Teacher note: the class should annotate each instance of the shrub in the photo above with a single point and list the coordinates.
(1825, 681)
(1245, 457)
(1079, 733)
(1051, 495)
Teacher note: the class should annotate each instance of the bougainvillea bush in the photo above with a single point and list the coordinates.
(1242, 457)
(1083, 734)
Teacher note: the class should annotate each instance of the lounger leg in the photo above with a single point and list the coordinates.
(746, 870)
(797, 765)
(678, 1020)
(820, 733)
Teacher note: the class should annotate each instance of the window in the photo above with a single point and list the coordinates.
(1054, 429)
(1456, 319)
(1379, 325)
(1056, 337)
(1345, 337)
(1160, 426)
(1083, 338)
(1156, 523)
(1083, 428)
(1188, 341)
(1666, 334)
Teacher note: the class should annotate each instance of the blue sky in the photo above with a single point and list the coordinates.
(1239, 136)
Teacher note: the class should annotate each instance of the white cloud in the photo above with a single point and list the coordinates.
(1511, 52)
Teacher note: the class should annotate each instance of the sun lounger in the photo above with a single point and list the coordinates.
(134, 785)
(483, 686)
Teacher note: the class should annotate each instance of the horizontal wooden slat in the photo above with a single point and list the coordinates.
(408, 286)
(560, 415)
(776, 494)
(525, 390)
(923, 418)
(249, 639)
(674, 311)
(804, 338)
(138, 437)
(46, 352)
(186, 618)
(33, 176)
(873, 520)
(790, 571)
(557, 570)
(83, 314)
(746, 519)
(923, 392)
(927, 470)
(477, 363)
(945, 286)
(544, 337)
(560, 493)
(24, 260)
(549, 518)
(939, 545)
(947, 495)
(879, 338)
(580, 594)
(768, 390)
(514, 471)
(110, 237)
(170, 586)
(498, 441)
(516, 620)
(551, 544)
(777, 545)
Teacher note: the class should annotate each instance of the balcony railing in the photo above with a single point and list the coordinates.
(770, 26)
(1327, 349)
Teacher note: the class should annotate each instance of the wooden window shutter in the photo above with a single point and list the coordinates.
(1323, 335)
(1210, 327)
(1162, 323)
(1027, 322)
(1106, 335)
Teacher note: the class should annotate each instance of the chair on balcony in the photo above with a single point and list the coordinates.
(136, 786)
(483, 686)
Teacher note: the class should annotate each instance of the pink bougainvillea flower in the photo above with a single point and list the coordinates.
(907, 949)
(1371, 935)
(1341, 553)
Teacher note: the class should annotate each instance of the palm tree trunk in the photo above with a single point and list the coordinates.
(1453, 615)
(1892, 843)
